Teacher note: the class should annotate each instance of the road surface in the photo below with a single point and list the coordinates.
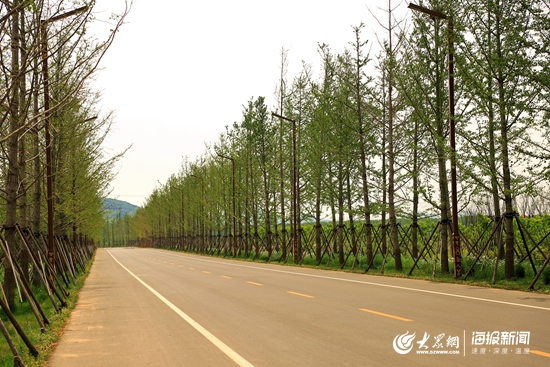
(146, 307)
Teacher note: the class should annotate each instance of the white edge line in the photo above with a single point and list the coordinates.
(208, 335)
(371, 283)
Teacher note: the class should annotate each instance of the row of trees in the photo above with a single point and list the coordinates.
(50, 125)
(366, 137)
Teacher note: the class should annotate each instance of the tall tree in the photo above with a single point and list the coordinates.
(74, 56)
(12, 181)
(426, 95)
(389, 65)
(282, 94)
(504, 56)
(364, 114)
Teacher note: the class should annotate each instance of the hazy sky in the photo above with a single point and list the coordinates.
(179, 72)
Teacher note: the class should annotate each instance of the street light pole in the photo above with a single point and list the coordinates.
(182, 218)
(49, 185)
(234, 208)
(295, 249)
(454, 196)
(202, 232)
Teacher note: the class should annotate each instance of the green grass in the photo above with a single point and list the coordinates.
(43, 342)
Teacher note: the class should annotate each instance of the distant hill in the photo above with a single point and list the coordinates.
(114, 207)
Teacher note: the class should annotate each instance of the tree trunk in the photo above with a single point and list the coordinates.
(384, 245)
(340, 213)
(23, 254)
(351, 217)
(12, 177)
(362, 148)
(267, 216)
(318, 225)
(415, 173)
(282, 91)
(494, 185)
(509, 271)
(391, 155)
(492, 157)
(441, 159)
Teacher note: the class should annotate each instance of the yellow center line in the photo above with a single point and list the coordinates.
(225, 276)
(191, 268)
(538, 352)
(386, 315)
(206, 272)
(254, 283)
(181, 266)
(172, 264)
(300, 294)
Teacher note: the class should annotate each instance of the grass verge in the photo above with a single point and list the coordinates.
(43, 342)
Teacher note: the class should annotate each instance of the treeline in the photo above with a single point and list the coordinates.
(55, 171)
(367, 137)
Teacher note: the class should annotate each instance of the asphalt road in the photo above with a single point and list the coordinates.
(145, 307)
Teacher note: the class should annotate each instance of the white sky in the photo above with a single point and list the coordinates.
(178, 73)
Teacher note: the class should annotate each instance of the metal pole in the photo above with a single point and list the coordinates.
(182, 218)
(182, 221)
(234, 210)
(49, 189)
(201, 225)
(296, 250)
(297, 255)
(454, 196)
(234, 207)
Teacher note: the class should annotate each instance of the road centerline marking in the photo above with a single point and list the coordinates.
(206, 272)
(385, 315)
(254, 283)
(237, 358)
(225, 276)
(538, 352)
(369, 283)
(300, 294)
